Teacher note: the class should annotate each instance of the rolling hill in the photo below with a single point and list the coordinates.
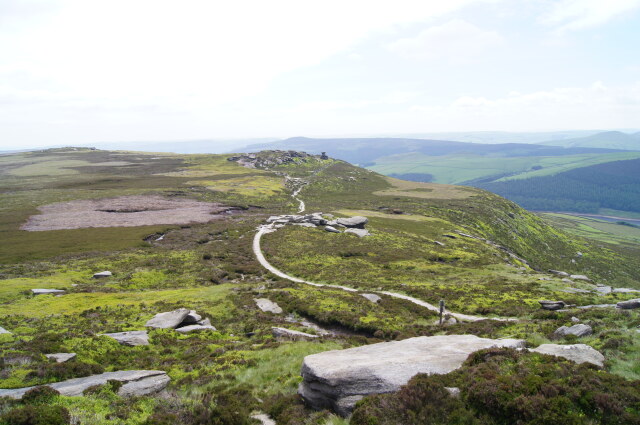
(606, 139)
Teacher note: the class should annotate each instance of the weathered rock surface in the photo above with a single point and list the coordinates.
(169, 319)
(357, 221)
(196, 327)
(267, 306)
(47, 291)
(130, 338)
(358, 232)
(625, 290)
(332, 229)
(61, 357)
(603, 289)
(577, 330)
(559, 273)
(635, 303)
(372, 297)
(338, 379)
(105, 273)
(136, 382)
(579, 277)
(4, 331)
(552, 305)
(263, 418)
(576, 291)
(191, 319)
(290, 334)
(579, 353)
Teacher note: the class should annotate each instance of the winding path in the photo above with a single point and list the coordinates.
(270, 228)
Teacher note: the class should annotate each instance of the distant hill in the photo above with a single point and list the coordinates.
(606, 139)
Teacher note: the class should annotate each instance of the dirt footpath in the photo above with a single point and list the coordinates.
(124, 211)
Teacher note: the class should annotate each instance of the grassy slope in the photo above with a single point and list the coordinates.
(210, 267)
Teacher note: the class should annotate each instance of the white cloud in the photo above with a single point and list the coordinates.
(455, 41)
(595, 106)
(580, 14)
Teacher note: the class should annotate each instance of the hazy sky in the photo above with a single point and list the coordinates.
(76, 72)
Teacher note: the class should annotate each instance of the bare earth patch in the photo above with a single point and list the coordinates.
(124, 211)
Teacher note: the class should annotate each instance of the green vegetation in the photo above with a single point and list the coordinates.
(481, 253)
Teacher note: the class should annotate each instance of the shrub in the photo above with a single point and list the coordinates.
(40, 395)
(36, 415)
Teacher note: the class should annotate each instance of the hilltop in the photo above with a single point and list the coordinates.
(238, 246)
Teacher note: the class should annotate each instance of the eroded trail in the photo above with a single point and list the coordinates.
(269, 228)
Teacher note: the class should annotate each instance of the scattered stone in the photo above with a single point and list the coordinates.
(450, 236)
(544, 278)
(304, 224)
(579, 277)
(372, 297)
(191, 328)
(453, 391)
(627, 305)
(587, 307)
(169, 319)
(559, 273)
(625, 290)
(552, 305)
(136, 383)
(290, 334)
(338, 379)
(47, 291)
(604, 290)
(61, 357)
(579, 330)
(357, 221)
(576, 291)
(575, 319)
(4, 331)
(267, 306)
(332, 229)
(579, 353)
(105, 273)
(567, 280)
(358, 232)
(438, 243)
(191, 319)
(130, 338)
(263, 418)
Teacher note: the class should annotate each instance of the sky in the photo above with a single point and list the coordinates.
(87, 71)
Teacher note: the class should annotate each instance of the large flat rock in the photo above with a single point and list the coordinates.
(130, 338)
(169, 319)
(338, 379)
(579, 353)
(136, 382)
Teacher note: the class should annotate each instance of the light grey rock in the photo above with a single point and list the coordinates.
(576, 291)
(61, 357)
(579, 277)
(453, 391)
(438, 243)
(358, 232)
(47, 291)
(168, 320)
(552, 305)
(603, 289)
(577, 330)
(625, 290)
(191, 319)
(130, 338)
(205, 322)
(559, 273)
(579, 353)
(267, 306)
(263, 418)
(338, 379)
(575, 320)
(290, 334)
(304, 224)
(357, 221)
(587, 307)
(192, 328)
(627, 305)
(4, 331)
(331, 229)
(544, 278)
(372, 297)
(105, 273)
(136, 382)
(565, 280)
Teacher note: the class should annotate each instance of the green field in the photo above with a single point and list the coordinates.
(459, 168)
(595, 229)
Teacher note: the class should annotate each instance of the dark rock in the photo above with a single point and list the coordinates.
(552, 305)
(577, 330)
(627, 305)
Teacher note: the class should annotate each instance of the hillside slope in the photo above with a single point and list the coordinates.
(180, 232)
(605, 139)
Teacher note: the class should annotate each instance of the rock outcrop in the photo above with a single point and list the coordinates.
(267, 306)
(285, 333)
(169, 319)
(61, 357)
(130, 338)
(579, 353)
(372, 297)
(338, 379)
(47, 291)
(552, 305)
(105, 273)
(627, 305)
(196, 327)
(355, 222)
(578, 330)
(361, 233)
(135, 382)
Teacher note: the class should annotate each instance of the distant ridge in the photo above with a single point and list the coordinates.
(605, 139)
